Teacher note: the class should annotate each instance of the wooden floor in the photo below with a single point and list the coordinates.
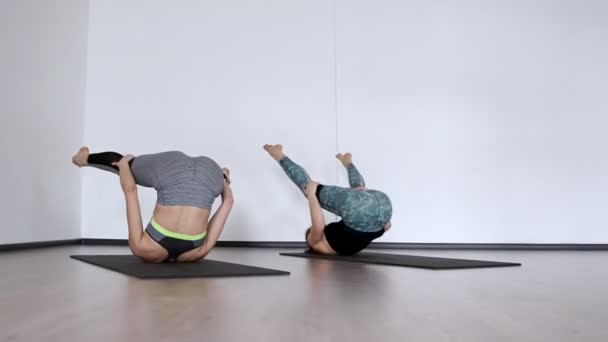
(555, 296)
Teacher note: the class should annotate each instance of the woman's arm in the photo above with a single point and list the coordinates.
(217, 222)
(214, 229)
(129, 187)
(316, 214)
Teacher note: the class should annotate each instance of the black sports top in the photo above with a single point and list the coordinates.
(347, 241)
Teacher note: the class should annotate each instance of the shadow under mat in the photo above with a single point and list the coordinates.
(416, 261)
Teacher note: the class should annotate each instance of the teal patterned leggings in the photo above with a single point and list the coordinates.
(360, 209)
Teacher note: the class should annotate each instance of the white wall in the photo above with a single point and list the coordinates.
(217, 78)
(483, 120)
(42, 68)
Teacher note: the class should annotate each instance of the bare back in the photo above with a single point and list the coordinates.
(182, 219)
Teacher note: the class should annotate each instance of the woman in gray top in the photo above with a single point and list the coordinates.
(181, 228)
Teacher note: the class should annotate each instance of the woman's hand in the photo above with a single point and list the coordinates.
(127, 182)
(226, 172)
(311, 189)
(227, 193)
(124, 162)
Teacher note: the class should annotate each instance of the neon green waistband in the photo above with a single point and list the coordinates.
(175, 235)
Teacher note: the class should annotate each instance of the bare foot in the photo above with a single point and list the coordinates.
(275, 151)
(346, 159)
(80, 158)
(226, 174)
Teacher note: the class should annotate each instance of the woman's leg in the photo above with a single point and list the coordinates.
(362, 210)
(358, 208)
(142, 167)
(295, 172)
(102, 161)
(354, 177)
(332, 198)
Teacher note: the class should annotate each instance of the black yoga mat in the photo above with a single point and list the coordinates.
(135, 267)
(407, 260)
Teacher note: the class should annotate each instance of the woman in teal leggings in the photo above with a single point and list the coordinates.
(365, 214)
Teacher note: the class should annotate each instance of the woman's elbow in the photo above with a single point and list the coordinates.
(137, 250)
(318, 228)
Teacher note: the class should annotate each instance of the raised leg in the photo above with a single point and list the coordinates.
(295, 172)
(142, 167)
(103, 161)
(332, 198)
(354, 176)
